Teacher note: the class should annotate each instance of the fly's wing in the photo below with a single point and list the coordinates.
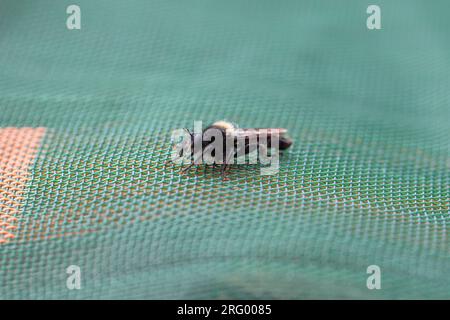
(256, 132)
(253, 137)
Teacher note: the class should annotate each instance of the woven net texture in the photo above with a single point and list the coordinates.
(85, 171)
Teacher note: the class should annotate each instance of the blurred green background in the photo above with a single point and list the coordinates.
(367, 181)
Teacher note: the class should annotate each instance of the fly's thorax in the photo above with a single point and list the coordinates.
(224, 125)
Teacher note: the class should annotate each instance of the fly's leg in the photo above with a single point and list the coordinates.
(196, 160)
(226, 165)
(186, 169)
(224, 169)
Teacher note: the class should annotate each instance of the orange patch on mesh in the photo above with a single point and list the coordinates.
(18, 149)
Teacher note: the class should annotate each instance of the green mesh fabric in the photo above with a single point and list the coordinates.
(366, 182)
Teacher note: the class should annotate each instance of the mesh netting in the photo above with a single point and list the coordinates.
(85, 171)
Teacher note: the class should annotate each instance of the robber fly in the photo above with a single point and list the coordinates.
(250, 139)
